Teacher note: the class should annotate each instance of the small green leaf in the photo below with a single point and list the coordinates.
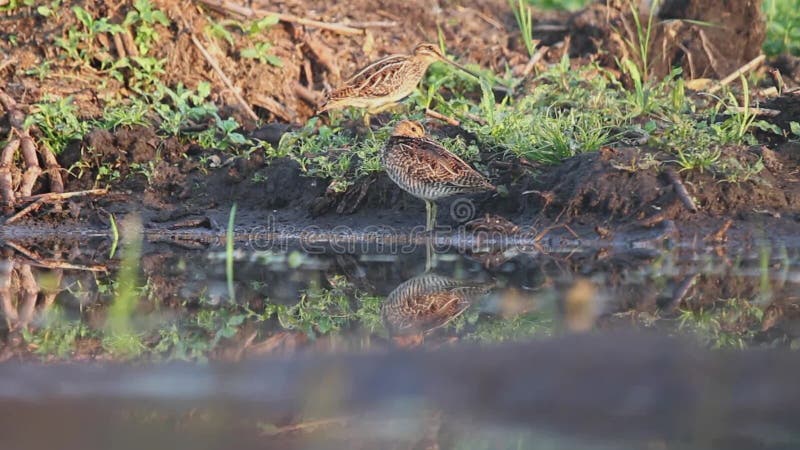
(274, 60)
(203, 89)
(236, 320)
(160, 17)
(795, 128)
(262, 24)
(763, 125)
(83, 15)
(250, 53)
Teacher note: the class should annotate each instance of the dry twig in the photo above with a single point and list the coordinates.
(227, 81)
(754, 63)
(51, 197)
(36, 260)
(721, 235)
(680, 190)
(534, 59)
(7, 62)
(274, 107)
(243, 11)
(439, 116)
(310, 425)
(775, 74)
(757, 111)
(311, 97)
(22, 141)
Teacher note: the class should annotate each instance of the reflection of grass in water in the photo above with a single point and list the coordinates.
(57, 335)
(122, 339)
(324, 310)
(730, 325)
(229, 254)
(193, 336)
(476, 326)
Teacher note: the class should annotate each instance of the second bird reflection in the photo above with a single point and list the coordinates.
(425, 303)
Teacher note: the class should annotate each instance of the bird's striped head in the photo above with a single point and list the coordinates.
(409, 128)
(428, 51)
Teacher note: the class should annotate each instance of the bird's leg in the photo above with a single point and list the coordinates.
(429, 262)
(427, 215)
(430, 212)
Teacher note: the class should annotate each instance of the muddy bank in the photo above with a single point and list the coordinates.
(616, 187)
(172, 182)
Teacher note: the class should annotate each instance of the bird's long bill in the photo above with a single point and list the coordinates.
(462, 68)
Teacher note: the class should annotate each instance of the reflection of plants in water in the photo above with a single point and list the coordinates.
(730, 325)
(369, 313)
(498, 329)
(57, 336)
(323, 310)
(193, 336)
(123, 339)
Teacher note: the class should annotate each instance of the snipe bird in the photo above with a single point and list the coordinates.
(427, 302)
(426, 170)
(386, 81)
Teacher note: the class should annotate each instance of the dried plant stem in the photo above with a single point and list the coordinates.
(754, 63)
(227, 81)
(230, 7)
(680, 190)
(439, 116)
(39, 200)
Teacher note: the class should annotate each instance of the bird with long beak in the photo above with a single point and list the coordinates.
(387, 81)
(426, 170)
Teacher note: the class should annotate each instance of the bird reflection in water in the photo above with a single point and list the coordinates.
(427, 302)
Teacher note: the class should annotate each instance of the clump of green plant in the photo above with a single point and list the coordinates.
(86, 44)
(742, 117)
(143, 19)
(697, 140)
(182, 110)
(734, 170)
(524, 17)
(324, 151)
(783, 27)
(542, 130)
(58, 121)
(79, 44)
(259, 48)
(694, 143)
(639, 44)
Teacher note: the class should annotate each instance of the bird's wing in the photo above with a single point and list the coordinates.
(430, 161)
(371, 81)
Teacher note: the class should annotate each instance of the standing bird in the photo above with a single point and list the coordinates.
(387, 81)
(425, 169)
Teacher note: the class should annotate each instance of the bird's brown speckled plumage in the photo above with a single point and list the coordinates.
(427, 302)
(384, 82)
(425, 169)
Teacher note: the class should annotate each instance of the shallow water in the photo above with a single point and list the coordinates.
(156, 302)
